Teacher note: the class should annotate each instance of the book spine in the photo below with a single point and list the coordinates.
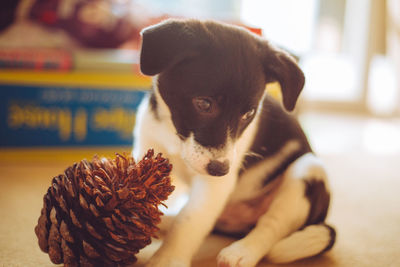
(66, 116)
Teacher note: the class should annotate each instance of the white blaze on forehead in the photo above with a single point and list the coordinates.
(197, 156)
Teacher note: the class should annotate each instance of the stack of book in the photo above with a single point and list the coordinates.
(53, 97)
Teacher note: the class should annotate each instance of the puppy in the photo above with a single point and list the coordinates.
(250, 168)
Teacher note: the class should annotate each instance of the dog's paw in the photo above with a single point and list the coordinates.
(236, 255)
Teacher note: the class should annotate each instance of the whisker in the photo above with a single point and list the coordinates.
(254, 154)
(181, 136)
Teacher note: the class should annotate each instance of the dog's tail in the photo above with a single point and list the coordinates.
(310, 241)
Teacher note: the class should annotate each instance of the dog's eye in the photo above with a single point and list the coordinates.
(248, 114)
(202, 104)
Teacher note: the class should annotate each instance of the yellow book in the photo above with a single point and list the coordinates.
(73, 79)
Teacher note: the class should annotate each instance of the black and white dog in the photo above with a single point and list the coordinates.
(250, 167)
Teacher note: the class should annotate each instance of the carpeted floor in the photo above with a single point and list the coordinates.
(365, 208)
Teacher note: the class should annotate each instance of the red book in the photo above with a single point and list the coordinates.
(37, 59)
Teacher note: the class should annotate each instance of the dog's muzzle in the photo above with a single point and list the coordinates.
(218, 168)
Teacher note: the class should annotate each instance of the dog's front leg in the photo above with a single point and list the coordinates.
(194, 222)
(287, 213)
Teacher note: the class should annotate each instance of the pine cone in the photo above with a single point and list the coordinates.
(101, 213)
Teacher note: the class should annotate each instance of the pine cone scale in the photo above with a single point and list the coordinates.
(65, 232)
(74, 219)
(89, 250)
(55, 245)
(83, 202)
(68, 254)
(42, 233)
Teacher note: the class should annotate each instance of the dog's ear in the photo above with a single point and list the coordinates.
(167, 43)
(281, 67)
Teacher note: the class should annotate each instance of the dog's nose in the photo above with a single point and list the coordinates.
(218, 168)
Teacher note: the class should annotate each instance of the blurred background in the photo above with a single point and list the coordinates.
(68, 67)
(70, 86)
(56, 55)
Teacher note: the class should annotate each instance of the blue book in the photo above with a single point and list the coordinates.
(67, 115)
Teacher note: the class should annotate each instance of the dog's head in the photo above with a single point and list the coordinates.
(212, 78)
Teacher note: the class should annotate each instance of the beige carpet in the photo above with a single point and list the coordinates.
(365, 210)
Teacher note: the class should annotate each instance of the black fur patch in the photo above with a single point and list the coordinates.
(276, 128)
(154, 105)
(282, 167)
(332, 233)
(319, 198)
(235, 235)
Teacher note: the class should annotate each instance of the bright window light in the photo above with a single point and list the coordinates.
(329, 77)
(382, 95)
(289, 23)
(382, 137)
